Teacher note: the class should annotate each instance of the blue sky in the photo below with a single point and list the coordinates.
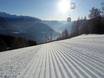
(47, 9)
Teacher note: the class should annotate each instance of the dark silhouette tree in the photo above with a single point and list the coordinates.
(96, 23)
(69, 19)
(94, 12)
(65, 34)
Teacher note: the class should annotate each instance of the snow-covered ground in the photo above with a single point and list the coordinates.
(79, 57)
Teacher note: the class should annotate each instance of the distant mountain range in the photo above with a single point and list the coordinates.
(26, 27)
(59, 26)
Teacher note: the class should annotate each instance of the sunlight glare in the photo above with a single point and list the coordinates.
(64, 6)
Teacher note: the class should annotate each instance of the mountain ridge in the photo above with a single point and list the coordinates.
(26, 27)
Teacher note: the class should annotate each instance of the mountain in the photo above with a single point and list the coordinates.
(26, 27)
(59, 26)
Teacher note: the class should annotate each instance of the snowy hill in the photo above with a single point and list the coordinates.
(26, 27)
(79, 57)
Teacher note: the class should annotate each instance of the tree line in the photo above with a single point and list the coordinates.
(94, 24)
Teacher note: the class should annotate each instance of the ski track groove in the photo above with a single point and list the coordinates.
(28, 68)
(76, 64)
(92, 63)
(87, 55)
(79, 57)
(65, 66)
(56, 65)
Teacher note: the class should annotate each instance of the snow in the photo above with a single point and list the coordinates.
(79, 57)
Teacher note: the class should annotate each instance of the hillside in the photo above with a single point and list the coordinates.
(26, 27)
(59, 26)
(79, 57)
(11, 42)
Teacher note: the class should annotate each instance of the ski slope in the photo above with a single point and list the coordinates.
(79, 57)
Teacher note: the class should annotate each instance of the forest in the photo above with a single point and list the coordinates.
(94, 24)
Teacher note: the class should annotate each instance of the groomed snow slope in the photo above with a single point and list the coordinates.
(79, 57)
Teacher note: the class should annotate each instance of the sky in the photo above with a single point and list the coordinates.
(49, 9)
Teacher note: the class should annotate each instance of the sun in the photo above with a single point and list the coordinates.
(64, 6)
